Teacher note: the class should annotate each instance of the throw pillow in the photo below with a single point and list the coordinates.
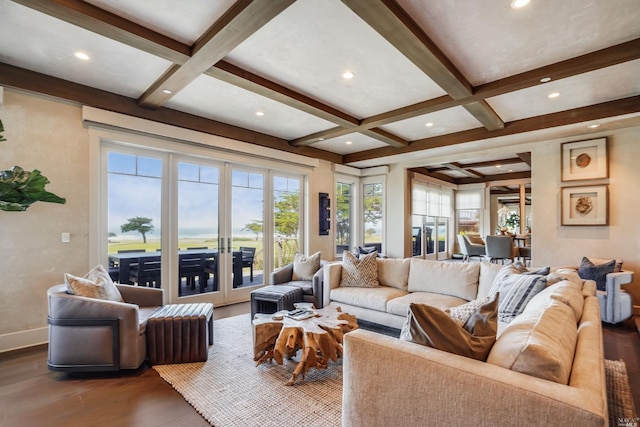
(359, 272)
(304, 267)
(95, 284)
(598, 273)
(432, 327)
(366, 250)
(461, 313)
(516, 291)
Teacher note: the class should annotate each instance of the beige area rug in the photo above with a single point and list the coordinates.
(229, 390)
(621, 407)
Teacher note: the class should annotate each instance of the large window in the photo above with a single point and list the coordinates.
(372, 214)
(344, 212)
(286, 218)
(469, 204)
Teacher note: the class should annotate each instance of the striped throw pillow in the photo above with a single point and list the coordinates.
(516, 290)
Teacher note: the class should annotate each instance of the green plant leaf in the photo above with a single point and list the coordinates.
(19, 189)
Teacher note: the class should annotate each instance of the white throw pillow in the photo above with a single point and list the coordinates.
(304, 267)
(359, 273)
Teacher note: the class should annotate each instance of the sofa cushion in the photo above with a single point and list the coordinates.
(304, 267)
(361, 273)
(95, 284)
(394, 272)
(539, 343)
(305, 285)
(433, 327)
(515, 291)
(488, 273)
(564, 291)
(590, 271)
(400, 305)
(449, 278)
(373, 298)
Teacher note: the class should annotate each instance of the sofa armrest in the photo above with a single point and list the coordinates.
(282, 275)
(439, 388)
(141, 296)
(332, 276)
(318, 285)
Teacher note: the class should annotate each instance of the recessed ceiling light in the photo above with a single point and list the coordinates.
(167, 91)
(498, 166)
(82, 55)
(259, 113)
(554, 95)
(428, 124)
(594, 126)
(349, 142)
(347, 75)
(320, 139)
(545, 80)
(517, 4)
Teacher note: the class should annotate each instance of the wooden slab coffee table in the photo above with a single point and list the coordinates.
(319, 339)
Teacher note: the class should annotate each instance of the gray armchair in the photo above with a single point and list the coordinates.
(89, 334)
(311, 290)
(616, 304)
(469, 249)
(500, 248)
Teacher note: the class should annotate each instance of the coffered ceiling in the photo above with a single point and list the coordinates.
(426, 74)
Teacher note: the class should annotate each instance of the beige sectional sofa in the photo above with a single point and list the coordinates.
(545, 368)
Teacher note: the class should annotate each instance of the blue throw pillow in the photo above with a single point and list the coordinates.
(598, 273)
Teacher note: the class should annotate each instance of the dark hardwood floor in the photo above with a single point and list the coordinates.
(31, 395)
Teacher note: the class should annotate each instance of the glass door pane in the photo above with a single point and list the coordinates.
(286, 219)
(372, 202)
(430, 237)
(134, 200)
(343, 217)
(417, 235)
(198, 229)
(443, 246)
(247, 228)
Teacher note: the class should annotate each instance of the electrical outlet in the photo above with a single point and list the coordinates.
(65, 237)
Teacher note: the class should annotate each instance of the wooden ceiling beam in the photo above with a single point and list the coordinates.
(107, 24)
(243, 19)
(577, 115)
(399, 29)
(497, 177)
(21, 78)
(463, 170)
(525, 157)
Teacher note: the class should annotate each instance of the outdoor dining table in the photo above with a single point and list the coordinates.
(124, 260)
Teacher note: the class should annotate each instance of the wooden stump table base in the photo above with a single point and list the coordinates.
(319, 339)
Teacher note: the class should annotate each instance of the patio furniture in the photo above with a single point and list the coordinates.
(191, 267)
(247, 258)
(90, 334)
(147, 272)
(178, 333)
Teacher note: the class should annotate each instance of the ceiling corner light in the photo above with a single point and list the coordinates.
(320, 139)
(594, 126)
(428, 124)
(554, 95)
(498, 166)
(259, 113)
(545, 80)
(517, 4)
(347, 75)
(167, 91)
(349, 142)
(81, 55)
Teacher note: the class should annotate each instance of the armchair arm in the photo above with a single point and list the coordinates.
(282, 275)
(614, 280)
(318, 284)
(141, 296)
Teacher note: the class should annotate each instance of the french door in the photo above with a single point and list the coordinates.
(430, 237)
(203, 230)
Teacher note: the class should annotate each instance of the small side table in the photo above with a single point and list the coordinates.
(272, 298)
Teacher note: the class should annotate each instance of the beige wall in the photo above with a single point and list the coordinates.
(554, 244)
(46, 135)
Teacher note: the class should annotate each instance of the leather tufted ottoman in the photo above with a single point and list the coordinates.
(177, 333)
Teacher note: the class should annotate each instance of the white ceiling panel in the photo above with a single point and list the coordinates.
(488, 40)
(313, 42)
(217, 100)
(359, 142)
(184, 20)
(51, 45)
(619, 81)
(442, 122)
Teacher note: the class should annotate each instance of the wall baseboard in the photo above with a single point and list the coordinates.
(23, 339)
